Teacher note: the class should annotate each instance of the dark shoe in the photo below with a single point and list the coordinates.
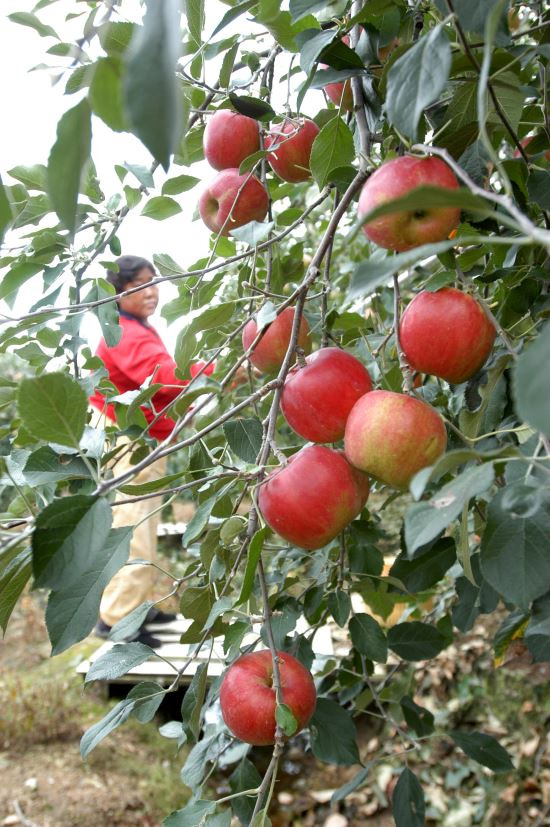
(155, 617)
(102, 630)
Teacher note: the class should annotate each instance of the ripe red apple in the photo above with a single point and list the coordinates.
(402, 231)
(311, 499)
(317, 398)
(269, 353)
(229, 138)
(290, 144)
(340, 92)
(392, 436)
(447, 334)
(231, 200)
(525, 143)
(247, 696)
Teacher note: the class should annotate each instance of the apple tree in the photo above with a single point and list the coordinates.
(327, 255)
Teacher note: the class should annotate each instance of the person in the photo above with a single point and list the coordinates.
(139, 354)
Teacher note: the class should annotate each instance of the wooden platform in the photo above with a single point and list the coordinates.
(325, 645)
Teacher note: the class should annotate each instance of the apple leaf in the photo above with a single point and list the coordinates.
(191, 706)
(312, 43)
(299, 8)
(151, 91)
(285, 719)
(537, 633)
(191, 815)
(244, 437)
(114, 718)
(426, 569)
(255, 108)
(5, 211)
(416, 641)
(15, 575)
(408, 801)
(254, 551)
(368, 638)
(232, 14)
(346, 789)
(244, 777)
(333, 734)
(416, 80)
(484, 749)
(118, 661)
(332, 148)
(533, 396)
(514, 558)
(420, 720)
(68, 156)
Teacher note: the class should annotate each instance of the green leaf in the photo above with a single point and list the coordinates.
(194, 11)
(471, 13)
(408, 801)
(191, 706)
(105, 93)
(130, 623)
(13, 579)
(332, 148)
(538, 186)
(312, 43)
(425, 520)
(339, 605)
(6, 215)
(254, 551)
(219, 608)
(537, 633)
(299, 8)
(31, 20)
(514, 550)
(73, 610)
(147, 697)
(420, 720)
(114, 718)
(115, 37)
(484, 749)
(53, 407)
(416, 80)
(255, 108)
(415, 640)
(244, 777)
(151, 92)
(191, 815)
(533, 396)
(118, 661)
(232, 14)
(33, 177)
(244, 437)
(426, 569)
(368, 638)
(181, 183)
(166, 265)
(333, 734)
(285, 719)
(357, 781)
(161, 207)
(68, 156)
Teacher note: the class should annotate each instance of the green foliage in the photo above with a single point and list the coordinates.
(473, 539)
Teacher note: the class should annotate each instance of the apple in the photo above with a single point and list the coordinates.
(447, 334)
(340, 92)
(525, 143)
(392, 436)
(268, 355)
(231, 200)
(404, 230)
(313, 497)
(290, 144)
(317, 398)
(247, 695)
(229, 138)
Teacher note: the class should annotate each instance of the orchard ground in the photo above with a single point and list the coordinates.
(132, 778)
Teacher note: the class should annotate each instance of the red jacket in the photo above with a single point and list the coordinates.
(139, 354)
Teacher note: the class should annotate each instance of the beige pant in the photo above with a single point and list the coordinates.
(132, 585)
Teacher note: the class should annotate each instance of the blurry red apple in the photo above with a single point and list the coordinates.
(311, 499)
(404, 230)
(229, 138)
(392, 436)
(231, 200)
(525, 143)
(340, 92)
(247, 695)
(290, 144)
(447, 334)
(317, 398)
(269, 353)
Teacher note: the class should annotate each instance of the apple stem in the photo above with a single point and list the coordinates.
(403, 364)
(300, 357)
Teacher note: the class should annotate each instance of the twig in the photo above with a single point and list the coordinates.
(403, 364)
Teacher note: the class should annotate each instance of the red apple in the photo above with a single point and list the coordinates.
(232, 200)
(402, 231)
(447, 334)
(269, 353)
(313, 497)
(229, 138)
(317, 398)
(392, 436)
(290, 144)
(340, 92)
(525, 143)
(247, 696)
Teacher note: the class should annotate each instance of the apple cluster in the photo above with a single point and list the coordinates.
(231, 199)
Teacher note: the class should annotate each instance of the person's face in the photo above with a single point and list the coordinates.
(143, 303)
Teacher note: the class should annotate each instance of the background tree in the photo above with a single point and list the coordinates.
(461, 81)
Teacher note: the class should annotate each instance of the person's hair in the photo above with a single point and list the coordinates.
(128, 268)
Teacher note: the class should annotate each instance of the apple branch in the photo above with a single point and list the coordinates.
(403, 364)
(358, 97)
